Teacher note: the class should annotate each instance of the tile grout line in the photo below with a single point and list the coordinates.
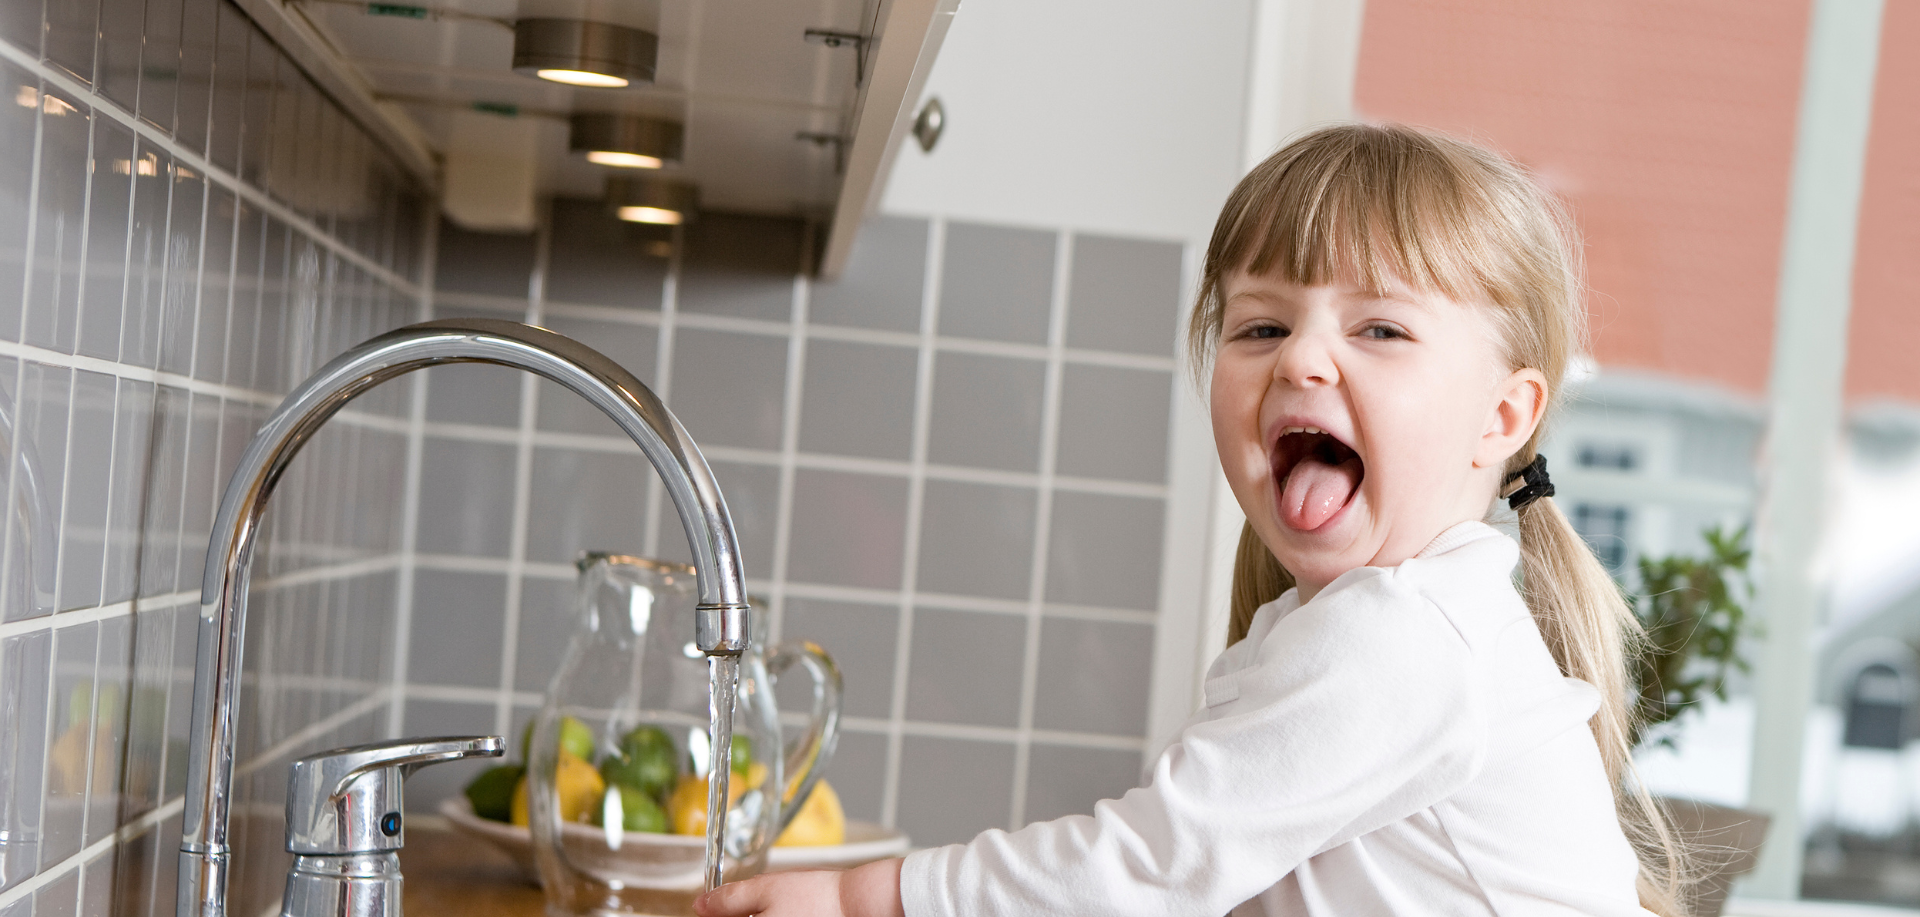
(29, 249)
(66, 489)
(663, 385)
(789, 449)
(89, 615)
(549, 570)
(845, 333)
(199, 285)
(410, 493)
(863, 725)
(916, 492)
(93, 717)
(522, 486)
(1042, 526)
(73, 407)
(39, 806)
(595, 442)
(185, 383)
(172, 625)
(343, 571)
(198, 162)
(1001, 734)
(468, 694)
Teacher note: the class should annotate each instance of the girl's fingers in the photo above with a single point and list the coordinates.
(734, 899)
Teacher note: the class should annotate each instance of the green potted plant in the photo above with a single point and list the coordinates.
(1694, 613)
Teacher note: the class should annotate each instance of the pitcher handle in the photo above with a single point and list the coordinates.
(811, 754)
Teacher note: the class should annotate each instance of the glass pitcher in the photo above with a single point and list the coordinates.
(619, 749)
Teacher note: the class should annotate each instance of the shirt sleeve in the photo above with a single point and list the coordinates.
(1358, 710)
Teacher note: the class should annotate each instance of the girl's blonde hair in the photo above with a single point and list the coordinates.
(1369, 202)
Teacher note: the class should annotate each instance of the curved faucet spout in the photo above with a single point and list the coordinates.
(721, 625)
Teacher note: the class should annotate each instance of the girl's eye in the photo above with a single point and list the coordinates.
(1380, 332)
(1264, 332)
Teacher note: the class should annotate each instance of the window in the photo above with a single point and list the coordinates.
(1604, 527)
(1610, 456)
(1876, 709)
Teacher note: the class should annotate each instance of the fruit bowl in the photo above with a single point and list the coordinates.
(648, 853)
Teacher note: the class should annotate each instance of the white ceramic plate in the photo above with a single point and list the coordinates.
(866, 842)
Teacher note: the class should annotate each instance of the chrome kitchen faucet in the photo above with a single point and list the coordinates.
(721, 627)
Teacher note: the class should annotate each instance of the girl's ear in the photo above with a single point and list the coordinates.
(1522, 403)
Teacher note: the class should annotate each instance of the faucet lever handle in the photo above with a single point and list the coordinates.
(348, 800)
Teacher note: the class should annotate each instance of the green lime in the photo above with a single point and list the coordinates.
(742, 755)
(639, 811)
(646, 738)
(492, 792)
(740, 759)
(645, 761)
(575, 737)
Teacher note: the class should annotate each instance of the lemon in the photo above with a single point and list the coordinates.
(821, 822)
(687, 807)
(576, 783)
(67, 761)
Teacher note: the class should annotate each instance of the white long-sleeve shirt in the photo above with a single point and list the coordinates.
(1401, 744)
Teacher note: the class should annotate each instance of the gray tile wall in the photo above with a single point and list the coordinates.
(949, 467)
(187, 227)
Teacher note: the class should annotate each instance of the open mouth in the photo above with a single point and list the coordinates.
(1318, 476)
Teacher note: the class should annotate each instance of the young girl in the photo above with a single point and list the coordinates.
(1395, 728)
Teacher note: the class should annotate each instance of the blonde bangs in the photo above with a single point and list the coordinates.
(1377, 205)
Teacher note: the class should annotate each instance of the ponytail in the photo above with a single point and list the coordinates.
(1588, 627)
(1258, 579)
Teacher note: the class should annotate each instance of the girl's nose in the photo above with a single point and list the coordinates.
(1305, 361)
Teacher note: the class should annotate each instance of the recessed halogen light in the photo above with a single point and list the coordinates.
(652, 215)
(650, 199)
(579, 52)
(625, 141)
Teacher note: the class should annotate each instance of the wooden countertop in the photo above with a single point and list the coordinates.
(450, 874)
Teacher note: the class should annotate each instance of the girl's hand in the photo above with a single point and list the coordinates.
(872, 890)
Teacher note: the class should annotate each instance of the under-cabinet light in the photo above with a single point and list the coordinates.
(647, 199)
(583, 53)
(652, 215)
(625, 141)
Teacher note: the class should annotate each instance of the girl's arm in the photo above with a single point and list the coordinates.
(1353, 713)
(872, 890)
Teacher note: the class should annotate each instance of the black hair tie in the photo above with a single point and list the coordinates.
(1528, 484)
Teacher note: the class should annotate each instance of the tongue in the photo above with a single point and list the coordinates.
(1315, 490)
